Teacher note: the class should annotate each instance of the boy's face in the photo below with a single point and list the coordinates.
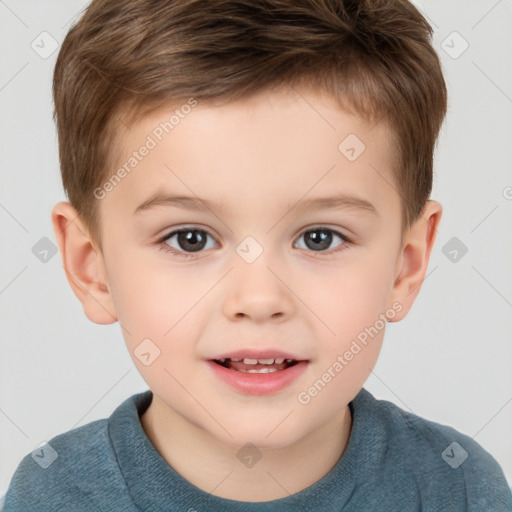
(258, 281)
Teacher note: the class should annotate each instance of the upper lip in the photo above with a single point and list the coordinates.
(258, 354)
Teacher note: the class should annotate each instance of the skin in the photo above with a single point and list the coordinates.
(257, 157)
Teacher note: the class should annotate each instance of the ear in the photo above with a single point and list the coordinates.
(414, 257)
(84, 264)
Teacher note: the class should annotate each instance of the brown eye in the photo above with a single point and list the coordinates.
(191, 240)
(320, 239)
(187, 240)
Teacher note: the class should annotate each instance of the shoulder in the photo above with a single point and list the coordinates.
(73, 471)
(49, 476)
(444, 464)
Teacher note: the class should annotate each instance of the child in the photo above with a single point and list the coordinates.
(249, 186)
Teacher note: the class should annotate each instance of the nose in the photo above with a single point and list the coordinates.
(258, 292)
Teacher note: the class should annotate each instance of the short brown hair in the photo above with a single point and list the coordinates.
(374, 56)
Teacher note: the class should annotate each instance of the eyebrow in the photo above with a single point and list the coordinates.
(340, 201)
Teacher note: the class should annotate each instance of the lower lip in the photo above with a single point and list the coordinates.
(258, 383)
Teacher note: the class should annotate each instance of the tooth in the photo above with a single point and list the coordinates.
(265, 361)
(261, 370)
(279, 361)
(223, 360)
(250, 361)
(288, 360)
(236, 359)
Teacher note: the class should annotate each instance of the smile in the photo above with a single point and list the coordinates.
(257, 376)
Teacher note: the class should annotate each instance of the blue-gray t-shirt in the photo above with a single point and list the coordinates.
(394, 461)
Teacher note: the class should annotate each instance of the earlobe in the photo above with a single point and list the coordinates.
(414, 257)
(83, 264)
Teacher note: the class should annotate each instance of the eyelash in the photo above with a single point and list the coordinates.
(162, 242)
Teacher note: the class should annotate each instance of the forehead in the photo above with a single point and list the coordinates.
(283, 146)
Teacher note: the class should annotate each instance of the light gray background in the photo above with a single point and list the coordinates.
(450, 360)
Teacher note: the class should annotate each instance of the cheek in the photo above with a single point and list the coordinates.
(353, 305)
(149, 293)
(352, 302)
(155, 306)
(351, 298)
(151, 300)
(160, 303)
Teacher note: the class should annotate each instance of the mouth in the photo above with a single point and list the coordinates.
(258, 372)
(250, 365)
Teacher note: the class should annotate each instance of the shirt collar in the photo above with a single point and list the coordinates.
(154, 485)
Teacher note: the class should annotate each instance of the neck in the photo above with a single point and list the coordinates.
(207, 463)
